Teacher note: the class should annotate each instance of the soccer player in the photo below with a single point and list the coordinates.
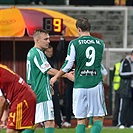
(88, 92)
(17, 102)
(38, 71)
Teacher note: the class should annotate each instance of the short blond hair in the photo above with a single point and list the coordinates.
(38, 32)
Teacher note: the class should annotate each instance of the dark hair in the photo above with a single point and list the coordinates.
(84, 24)
(131, 52)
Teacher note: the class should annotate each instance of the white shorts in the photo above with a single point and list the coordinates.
(44, 111)
(89, 102)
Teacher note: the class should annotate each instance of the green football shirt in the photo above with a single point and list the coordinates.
(36, 74)
(86, 52)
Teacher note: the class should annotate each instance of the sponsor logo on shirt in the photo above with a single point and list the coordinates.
(88, 73)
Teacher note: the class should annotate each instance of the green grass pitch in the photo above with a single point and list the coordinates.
(72, 130)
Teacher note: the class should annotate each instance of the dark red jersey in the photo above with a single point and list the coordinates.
(12, 85)
(21, 99)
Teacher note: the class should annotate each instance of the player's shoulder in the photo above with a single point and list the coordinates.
(99, 41)
(95, 38)
(34, 51)
(31, 53)
(74, 40)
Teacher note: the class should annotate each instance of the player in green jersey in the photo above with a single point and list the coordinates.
(38, 70)
(88, 92)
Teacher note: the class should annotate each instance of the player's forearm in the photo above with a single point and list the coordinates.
(5, 116)
(52, 71)
(61, 74)
(2, 105)
(58, 73)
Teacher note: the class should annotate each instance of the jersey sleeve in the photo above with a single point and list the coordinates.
(69, 59)
(41, 62)
(103, 70)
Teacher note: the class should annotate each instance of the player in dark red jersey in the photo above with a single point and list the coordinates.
(17, 102)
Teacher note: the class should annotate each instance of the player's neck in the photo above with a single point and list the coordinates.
(85, 34)
(36, 46)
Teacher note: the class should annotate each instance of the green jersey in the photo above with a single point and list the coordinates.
(86, 52)
(36, 74)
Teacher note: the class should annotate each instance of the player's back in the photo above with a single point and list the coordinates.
(89, 51)
(7, 75)
(12, 85)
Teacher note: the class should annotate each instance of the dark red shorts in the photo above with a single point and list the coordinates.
(22, 112)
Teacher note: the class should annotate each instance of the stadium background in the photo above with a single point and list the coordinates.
(113, 24)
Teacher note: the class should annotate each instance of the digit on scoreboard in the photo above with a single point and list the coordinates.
(53, 25)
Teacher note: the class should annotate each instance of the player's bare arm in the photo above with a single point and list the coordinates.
(5, 116)
(2, 105)
(52, 71)
(61, 73)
